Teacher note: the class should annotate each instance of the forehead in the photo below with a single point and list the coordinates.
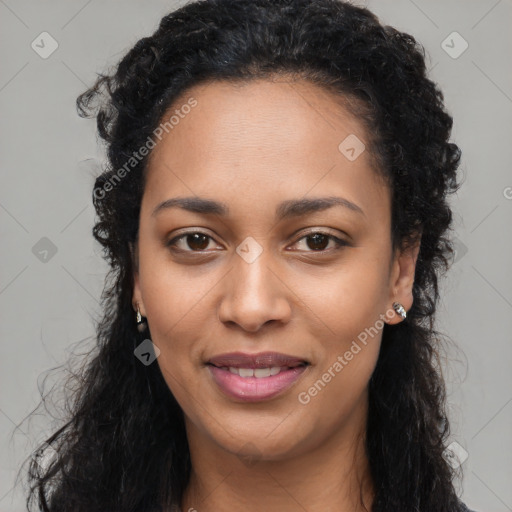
(261, 142)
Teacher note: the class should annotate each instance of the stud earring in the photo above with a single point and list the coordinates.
(400, 309)
(141, 325)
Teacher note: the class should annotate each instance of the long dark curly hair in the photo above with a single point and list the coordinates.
(123, 445)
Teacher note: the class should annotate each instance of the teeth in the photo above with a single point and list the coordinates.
(262, 372)
(257, 372)
(246, 372)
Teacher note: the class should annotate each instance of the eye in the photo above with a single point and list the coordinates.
(318, 241)
(195, 240)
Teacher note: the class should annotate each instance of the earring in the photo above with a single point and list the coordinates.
(399, 309)
(141, 325)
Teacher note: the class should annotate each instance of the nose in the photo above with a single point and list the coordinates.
(253, 295)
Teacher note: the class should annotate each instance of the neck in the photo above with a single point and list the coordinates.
(332, 477)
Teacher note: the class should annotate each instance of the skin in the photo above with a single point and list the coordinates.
(252, 146)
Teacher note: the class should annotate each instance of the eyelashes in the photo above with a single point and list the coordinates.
(201, 239)
(185, 237)
(338, 242)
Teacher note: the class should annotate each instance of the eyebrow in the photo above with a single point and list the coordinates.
(285, 210)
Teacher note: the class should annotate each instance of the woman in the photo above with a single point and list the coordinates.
(275, 213)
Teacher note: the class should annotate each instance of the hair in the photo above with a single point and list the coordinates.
(124, 446)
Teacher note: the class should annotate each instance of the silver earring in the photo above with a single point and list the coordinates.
(399, 309)
(141, 325)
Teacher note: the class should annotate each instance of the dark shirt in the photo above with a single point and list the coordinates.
(464, 508)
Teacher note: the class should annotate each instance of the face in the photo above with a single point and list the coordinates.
(283, 247)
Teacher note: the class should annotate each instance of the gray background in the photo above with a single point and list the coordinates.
(48, 301)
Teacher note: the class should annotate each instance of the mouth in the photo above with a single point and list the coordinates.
(259, 373)
(255, 377)
(261, 360)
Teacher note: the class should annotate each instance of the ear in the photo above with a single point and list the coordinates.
(402, 273)
(136, 296)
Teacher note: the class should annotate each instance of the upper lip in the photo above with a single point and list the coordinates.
(260, 360)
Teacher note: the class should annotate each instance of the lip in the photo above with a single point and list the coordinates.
(255, 389)
(259, 360)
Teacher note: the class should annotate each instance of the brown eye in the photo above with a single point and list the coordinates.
(190, 242)
(319, 242)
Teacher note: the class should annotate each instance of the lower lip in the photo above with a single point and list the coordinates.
(254, 389)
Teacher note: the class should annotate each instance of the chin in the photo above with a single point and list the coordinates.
(270, 440)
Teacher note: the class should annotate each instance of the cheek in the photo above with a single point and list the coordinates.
(351, 305)
(349, 298)
(172, 293)
(337, 386)
(173, 301)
